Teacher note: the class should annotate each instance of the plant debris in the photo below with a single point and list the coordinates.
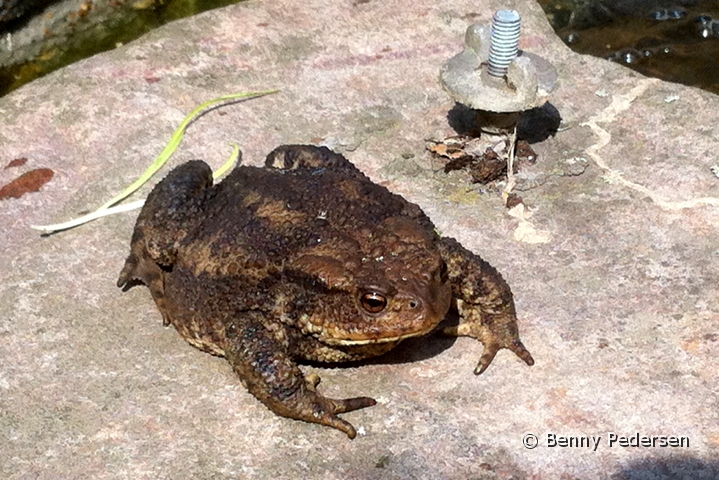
(18, 162)
(485, 164)
(27, 182)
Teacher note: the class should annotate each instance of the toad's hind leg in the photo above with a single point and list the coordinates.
(170, 212)
(272, 377)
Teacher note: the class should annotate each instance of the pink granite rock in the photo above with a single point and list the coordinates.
(614, 272)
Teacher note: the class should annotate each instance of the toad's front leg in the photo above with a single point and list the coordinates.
(272, 376)
(484, 303)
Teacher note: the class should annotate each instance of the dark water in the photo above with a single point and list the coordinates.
(104, 36)
(678, 43)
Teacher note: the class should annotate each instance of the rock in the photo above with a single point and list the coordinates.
(613, 265)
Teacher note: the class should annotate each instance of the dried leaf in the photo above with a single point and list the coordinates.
(16, 163)
(27, 182)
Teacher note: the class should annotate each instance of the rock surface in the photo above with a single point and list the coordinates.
(615, 273)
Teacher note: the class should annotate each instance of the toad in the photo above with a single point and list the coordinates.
(306, 259)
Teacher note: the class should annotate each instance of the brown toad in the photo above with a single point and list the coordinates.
(307, 259)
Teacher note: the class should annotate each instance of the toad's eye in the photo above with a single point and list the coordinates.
(373, 302)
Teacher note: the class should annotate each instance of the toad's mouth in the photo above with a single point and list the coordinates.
(370, 341)
(338, 337)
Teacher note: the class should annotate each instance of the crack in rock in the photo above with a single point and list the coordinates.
(619, 104)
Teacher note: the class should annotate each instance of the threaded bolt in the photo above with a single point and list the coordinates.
(503, 41)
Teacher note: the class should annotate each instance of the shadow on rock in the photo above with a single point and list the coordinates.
(538, 124)
(535, 125)
(674, 468)
(419, 348)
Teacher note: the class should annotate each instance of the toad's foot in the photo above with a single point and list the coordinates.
(313, 407)
(495, 334)
(309, 405)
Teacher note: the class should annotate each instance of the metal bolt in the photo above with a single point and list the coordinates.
(503, 41)
(525, 79)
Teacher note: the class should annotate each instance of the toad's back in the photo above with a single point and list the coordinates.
(272, 212)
